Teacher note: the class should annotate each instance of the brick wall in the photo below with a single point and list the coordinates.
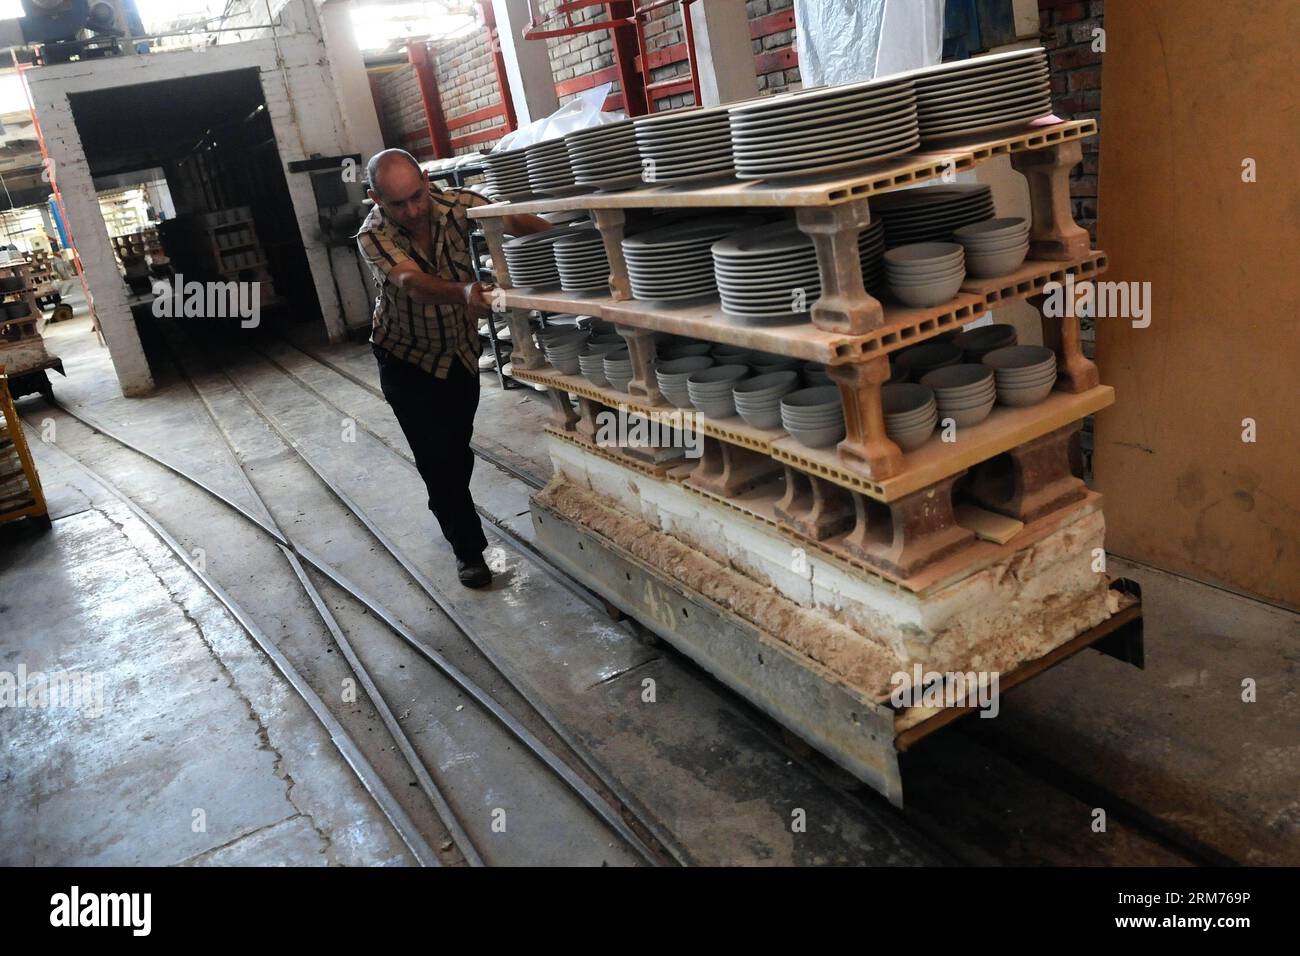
(1067, 33)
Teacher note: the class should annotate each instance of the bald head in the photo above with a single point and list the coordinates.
(385, 160)
(398, 186)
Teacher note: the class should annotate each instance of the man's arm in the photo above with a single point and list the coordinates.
(431, 290)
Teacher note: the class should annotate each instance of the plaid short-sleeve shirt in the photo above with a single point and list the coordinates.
(428, 336)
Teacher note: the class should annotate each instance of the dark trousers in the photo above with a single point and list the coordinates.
(437, 417)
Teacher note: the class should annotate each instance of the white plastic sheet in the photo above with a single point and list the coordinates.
(844, 41)
(581, 112)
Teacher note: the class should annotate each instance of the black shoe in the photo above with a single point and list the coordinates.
(473, 573)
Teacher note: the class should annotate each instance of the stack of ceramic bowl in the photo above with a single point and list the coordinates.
(762, 363)
(581, 261)
(925, 274)
(911, 364)
(673, 262)
(983, 93)
(507, 174)
(531, 259)
(710, 389)
(591, 360)
(605, 156)
(548, 168)
(814, 416)
(618, 369)
(994, 247)
(931, 213)
(672, 376)
(964, 393)
(910, 414)
(812, 132)
(1025, 373)
(814, 374)
(980, 341)
(758, 399)
(685, 350)
(771, 270)
(684, 144)
(562, 350)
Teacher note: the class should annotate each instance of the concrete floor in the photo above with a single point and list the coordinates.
(198, 727)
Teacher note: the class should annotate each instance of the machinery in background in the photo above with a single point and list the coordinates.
(67, 30)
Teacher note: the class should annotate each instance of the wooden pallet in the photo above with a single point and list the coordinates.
(21, 495)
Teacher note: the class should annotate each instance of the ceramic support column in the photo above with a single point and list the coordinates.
(1031, 480)
(588, 410)
(866, 446)
(610, 222)
(815, 507)
(524, 353)
(562, 415)
(1075, 372)
(1054, 233)
(906, 536)
(728, 470)
(845, 305)
(494, 229)
(641, 349)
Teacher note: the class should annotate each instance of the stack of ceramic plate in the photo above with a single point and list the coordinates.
(710, 389)
(581, 260)
(672, 377)
(674, 262)
(548, 167)
(994, 247)
(824, 130)
(814, 416)
(964, 393)
(507, 174)
(925, 274)
(591, 360)
(910, 414)
(982, 94)
(758, 399)
(605, 156)
(562, 350)
(772, 270)
(1025, 373)
(532, 259)
(618, 369)
(931, 213)
(684, 144)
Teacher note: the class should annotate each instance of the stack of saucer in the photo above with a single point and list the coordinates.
(581, 261)
(964, 393)
(758, 399)
(605, 156)
(684, 144)
(982, 94)
(814, 416)
(548, 167)
(673, 262)
(925, 274)
(910, 414)
(994, 247)
(1025, 373)
(812, 132)
(507, 174)
(673, 374)
(931, 213)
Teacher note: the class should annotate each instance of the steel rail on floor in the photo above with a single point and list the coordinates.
(580, 787)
